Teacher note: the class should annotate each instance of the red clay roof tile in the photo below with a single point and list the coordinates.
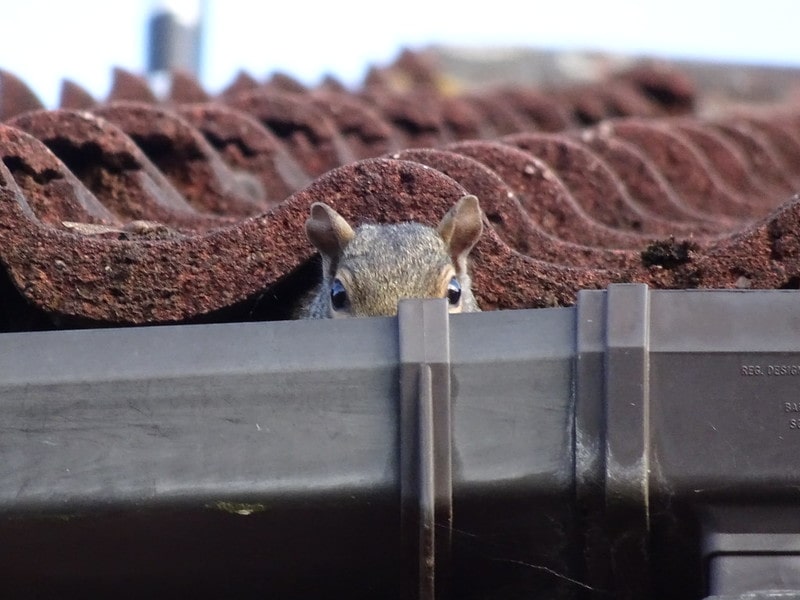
(148, 212)
(15, 96)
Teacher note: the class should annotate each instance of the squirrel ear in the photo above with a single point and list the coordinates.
(328, 230)
(461, 227)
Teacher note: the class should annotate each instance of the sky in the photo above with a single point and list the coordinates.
(46, 41)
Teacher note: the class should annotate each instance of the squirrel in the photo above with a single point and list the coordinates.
(365, 271)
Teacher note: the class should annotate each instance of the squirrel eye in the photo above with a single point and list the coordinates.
(338, 295)
(454, 292)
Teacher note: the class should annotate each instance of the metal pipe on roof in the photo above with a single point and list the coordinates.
(175, 36)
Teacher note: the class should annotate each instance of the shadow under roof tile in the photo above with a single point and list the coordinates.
(310, 136)
(367, 134)
(647, 91)
(463, 120)
(114, 169)
(670, 88)
(51, 192)
(583, 105)
(249, 148)
(541, 111)
(622, 98)
(497, 114)
(416, 116)
(186, 159)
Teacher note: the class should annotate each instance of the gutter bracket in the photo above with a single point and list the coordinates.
(425, 445)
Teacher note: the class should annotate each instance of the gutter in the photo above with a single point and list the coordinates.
(633, 444)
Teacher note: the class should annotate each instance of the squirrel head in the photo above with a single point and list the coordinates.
(365, 271)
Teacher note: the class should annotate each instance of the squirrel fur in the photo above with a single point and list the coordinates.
(367, 270)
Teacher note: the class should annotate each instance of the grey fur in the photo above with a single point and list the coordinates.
(382, 264)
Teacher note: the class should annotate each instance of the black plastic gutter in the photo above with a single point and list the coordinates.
(641, 444)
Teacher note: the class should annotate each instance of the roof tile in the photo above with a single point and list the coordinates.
(15, 96)
(133, 212)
